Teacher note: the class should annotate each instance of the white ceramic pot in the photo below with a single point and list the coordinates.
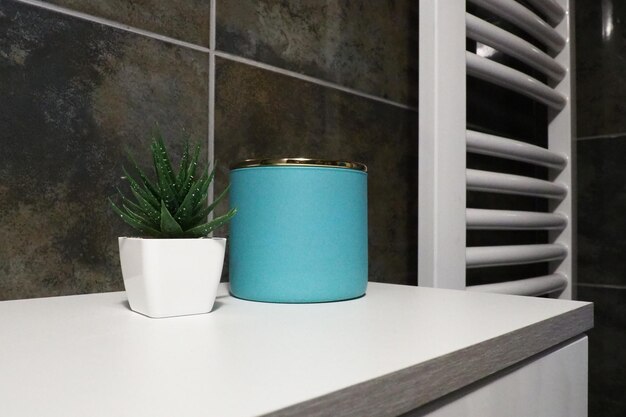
(171, 277)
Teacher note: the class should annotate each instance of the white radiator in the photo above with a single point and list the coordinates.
(444, 141)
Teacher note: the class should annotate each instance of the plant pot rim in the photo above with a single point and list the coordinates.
(171, 238)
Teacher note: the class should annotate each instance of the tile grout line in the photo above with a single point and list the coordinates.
(225, 55)
(211, 114)
(212, 22)
(113, 24)
(308, 78)
(604, 286)
(605, 136)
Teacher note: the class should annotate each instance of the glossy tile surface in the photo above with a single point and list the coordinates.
(185, 20)
(601, 94)
(371, 45)
(607, 361)
(601, 208)
(74, 95)
(261, 114)
(601, 66)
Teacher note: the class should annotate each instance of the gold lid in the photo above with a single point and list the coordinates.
(307, 162)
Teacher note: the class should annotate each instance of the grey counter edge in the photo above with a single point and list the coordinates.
(405, 390)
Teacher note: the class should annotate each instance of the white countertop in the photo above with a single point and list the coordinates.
(90, 356)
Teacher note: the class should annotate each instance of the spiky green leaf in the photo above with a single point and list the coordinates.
(145, 208)
(190, 177)
(163, 165)
(181, 178)
(128, 202)
(201, 215)
(144, 178)
(167, 185)
(140, 217)
(174, 205)
(185, 212)
(191, 200)
(158, 149)
(168, 224)
(140, 193)
(133, 222)
(204, 229)
(204, 191)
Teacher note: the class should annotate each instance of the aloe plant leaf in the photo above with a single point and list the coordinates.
(185, 212)
(201, 215)
(145, 208)
(145, 205)
(212, 174)
(143, 177)
(133, 222)
(181, 178)
(191, 173)
(141, 217)
(138, 217)
(194, 161)
(128, 202)
(167, 185)
(168, 224)
(165, 174)
(192, 199)
(141, 194)
(206, 228)
(204, 191)
(175, 204)
(159, 150)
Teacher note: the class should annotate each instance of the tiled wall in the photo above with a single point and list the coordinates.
(82, 81)
(601, 84)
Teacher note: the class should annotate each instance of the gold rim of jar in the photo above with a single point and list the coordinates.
(306, 162)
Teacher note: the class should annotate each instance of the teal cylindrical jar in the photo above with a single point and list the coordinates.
(300, 233)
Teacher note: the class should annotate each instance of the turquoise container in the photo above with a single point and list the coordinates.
(300, 233)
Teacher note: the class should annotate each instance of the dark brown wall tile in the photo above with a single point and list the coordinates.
(186, 20)
(601, 208)
(607, 362)
(601, 65)
(263, 114)
(370, 45)
(73, 96)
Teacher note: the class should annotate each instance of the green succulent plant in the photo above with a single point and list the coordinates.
(174, 205)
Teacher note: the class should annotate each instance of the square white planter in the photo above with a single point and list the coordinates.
(171, 277)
